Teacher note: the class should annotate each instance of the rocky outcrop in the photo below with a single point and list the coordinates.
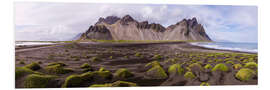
(127, 28)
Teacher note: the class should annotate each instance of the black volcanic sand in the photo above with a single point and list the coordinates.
(113, 56)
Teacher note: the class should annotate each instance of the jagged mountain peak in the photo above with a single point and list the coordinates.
(108, 20)
(127, 28)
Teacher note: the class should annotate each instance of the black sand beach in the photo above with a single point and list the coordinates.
(131, 64)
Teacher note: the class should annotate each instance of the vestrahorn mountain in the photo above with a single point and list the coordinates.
(126, 28)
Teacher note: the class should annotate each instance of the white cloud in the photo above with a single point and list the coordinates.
(60, 21)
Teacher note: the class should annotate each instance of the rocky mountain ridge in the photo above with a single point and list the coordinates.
(127, 28)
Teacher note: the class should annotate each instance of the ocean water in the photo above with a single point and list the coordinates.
(245, 47)
(33, 43)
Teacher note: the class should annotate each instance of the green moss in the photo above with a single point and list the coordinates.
(102, 69)
(123, 84)
(57, 63)
(138, 54)
(245, 74)
(204, 84)
(116, 84)
(94, 59)
(58, 69)
(101, 85)
(22, 71)
(87, 69)
(157, 57)
(85, 65)
(230, 62)
(111, 57)
(157, 72)
(189, 75)
(73, 81)
(104, 74)
(21, 62)
(153, 63)
(176, 68)
(237, 66)
(39, 62)
(251, 65)
(33, 66)
(221, 67)
(38, 81)
(208, 66)
(87, 76)
(123, 73)
(196, 66)
(125, 56)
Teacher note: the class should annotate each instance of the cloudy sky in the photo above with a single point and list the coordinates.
(63, 21)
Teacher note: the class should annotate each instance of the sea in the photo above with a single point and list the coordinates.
(244, 47)
(21, 43)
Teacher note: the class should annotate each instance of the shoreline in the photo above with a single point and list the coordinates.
(135, 43)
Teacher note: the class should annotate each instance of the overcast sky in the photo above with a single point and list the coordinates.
(63, 21)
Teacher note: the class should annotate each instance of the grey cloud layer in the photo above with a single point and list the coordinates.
(62, 21)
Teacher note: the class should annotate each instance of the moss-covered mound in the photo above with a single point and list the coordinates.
(57, 63)
(230, 62)
(157, 72)
(58, 69)
(103, 74)
(152, 64)
(208, 66)
(237, 66)
(251, 65)
(123, 73)
(123, 84)
(176, 68)
(157, 56)
(85, 65)
(38, 81)
(195, 66)
(189, 75)
(33, 66)
(22, 71)
(245, 74)
(116, 84)
(204, 84)
(221, 67)
(73, 81)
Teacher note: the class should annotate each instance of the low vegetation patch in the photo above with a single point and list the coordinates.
(58, 69)
(157, 72)
(123, 73)
(85, 65)
(221, 67)
(208, 66)
(33, 66)
(57, 63)
(237, 66)
(73, 81)
(189, 75)
(245, 74)
(251, 65)
(38, 81)
(204, 84)
(176, 68)
(22, 71)
(157, 57)
(116, 84)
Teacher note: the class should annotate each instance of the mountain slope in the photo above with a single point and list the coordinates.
(126, 28)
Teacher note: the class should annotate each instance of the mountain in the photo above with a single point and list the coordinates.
(127, 28)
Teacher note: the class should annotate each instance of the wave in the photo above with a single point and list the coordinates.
(223, 47)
